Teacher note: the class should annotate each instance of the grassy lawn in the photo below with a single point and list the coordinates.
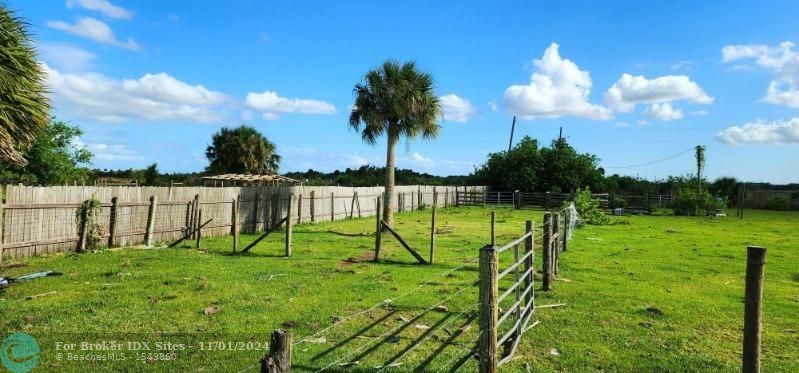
(690, 269)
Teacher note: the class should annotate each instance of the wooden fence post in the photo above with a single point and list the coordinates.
(299, 209)
(755, 259)
(279, 358)
(433, 229)
(332, 206)
(255, 210)
(556, 244)
(457, 198)
(546, 245)
(112, 223)
(196, 216)
(199, 233)
(313, 209)
(493, 233)
(566, 229)
(529, 263)
(516, 200)
(489, 309)
(148, 238)
(84, 225)
(378, 229)
(446, 197)
(288, 228)
(234, 223)
(546, 201)
(352, 204)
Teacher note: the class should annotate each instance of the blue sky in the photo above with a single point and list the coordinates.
(631, 82)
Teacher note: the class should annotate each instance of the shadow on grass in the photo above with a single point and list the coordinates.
(335, 233)
(437, 346)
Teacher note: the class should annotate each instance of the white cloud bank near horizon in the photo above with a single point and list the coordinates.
(762, 132)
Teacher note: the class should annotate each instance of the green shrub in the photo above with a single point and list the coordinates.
(691, 202)
(618, 202)
(94, 231)
(588, 208)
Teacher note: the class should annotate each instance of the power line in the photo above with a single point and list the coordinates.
(653, 162)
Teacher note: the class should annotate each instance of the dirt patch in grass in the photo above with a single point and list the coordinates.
(365, 257)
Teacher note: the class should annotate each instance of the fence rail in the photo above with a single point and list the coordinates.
(608, 202)
(39, 220)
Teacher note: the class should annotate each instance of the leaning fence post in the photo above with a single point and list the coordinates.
(279, 358)
(489, 294)
(234, 223)
(755, 259)
(148, 238)
(288, 227)
(546, 245)
(378, 229)
(112, 223)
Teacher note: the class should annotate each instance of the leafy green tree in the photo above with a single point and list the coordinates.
(726, 187)
(526, 167)
(241, 150)
(24, 108)
(517, 169)
(151, 174)
(396, 100)
(566, 170)
(54, 158)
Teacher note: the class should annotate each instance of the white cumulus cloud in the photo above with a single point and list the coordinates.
(557, 88)
(630, 90)
(165, 88)
(456, 108)
(782, 61)
(761, 132)
(102, 6)
(663, 112)
(95, 30)
(271, 105)
(151, 98)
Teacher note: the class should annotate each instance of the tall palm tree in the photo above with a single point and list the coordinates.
(24, 108)
(242, 150)
(396, 100)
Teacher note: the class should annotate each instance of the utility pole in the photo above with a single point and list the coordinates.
(512, 128)
(560, 135)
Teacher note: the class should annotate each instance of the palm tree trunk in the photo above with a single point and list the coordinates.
(388, 199)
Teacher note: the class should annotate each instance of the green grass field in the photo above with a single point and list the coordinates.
(690, 269)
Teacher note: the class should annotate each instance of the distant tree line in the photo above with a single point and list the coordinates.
(369, 176)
